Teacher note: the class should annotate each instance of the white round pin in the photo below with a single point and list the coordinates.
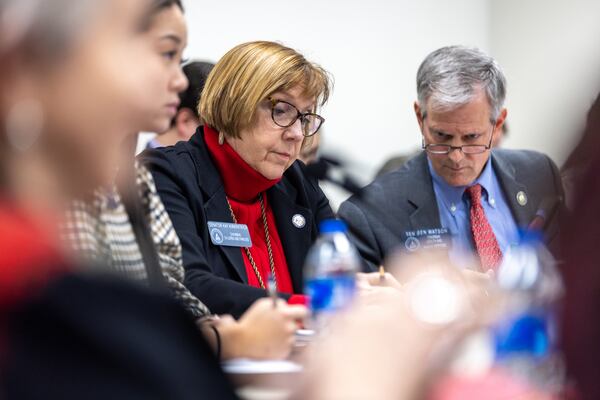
(521, 198)
(299, 221)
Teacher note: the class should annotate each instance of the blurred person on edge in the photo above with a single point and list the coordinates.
(580, 322)
(65, 87)
(120, 227)
(242, 207)
(458, 193)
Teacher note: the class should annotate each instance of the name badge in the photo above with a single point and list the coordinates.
(228, 234)
(426, 239)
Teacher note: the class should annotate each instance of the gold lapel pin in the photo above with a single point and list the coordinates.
(521, 198)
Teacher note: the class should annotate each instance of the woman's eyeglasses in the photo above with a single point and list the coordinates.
(285, 115)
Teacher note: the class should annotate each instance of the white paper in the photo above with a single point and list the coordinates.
(247, 366)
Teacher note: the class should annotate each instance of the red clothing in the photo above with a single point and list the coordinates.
(496, 384)
(29, 257)
(243, 185)
(29, 260)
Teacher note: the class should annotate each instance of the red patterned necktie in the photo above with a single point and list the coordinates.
(485, 241)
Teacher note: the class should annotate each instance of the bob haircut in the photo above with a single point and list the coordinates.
(247, 75)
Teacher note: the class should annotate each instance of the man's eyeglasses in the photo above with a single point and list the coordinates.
(285, 115)
(435, 148)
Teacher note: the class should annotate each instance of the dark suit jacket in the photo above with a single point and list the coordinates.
(101, 338)
(191, 188)
(404, 200)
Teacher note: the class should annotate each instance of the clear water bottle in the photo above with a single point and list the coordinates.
(526, 338)
(330, 271)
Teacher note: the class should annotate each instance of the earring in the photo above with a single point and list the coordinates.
(221, 138)
(24, 124)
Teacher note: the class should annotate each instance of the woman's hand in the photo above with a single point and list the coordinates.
(264, 331)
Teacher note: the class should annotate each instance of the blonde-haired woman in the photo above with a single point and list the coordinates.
(239, 171)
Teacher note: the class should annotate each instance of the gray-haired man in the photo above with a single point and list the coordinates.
(457, 192)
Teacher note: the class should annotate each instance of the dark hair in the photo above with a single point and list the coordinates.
(196, 72)
(156, 7)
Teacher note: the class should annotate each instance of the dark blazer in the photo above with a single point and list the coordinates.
(91, 337)
(191, 188)
(404, 200)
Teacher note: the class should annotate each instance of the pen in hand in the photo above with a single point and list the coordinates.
(381, 275)
(272, 289)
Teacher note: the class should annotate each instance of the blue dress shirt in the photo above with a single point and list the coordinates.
(153, 144)
(454, 206)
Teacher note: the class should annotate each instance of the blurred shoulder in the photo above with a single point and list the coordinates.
(161, 155)
(181, 151)
(299, 176)
(397, 183)
(181, 161)
(522, 158)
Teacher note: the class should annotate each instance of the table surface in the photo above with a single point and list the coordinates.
(270, 386)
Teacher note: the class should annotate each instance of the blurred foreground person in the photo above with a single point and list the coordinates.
(244, 210)
(574, 170)
(187, 120)
(65, 335)
(120, 229)
(430, 331)
(395, 342)
(580, 321)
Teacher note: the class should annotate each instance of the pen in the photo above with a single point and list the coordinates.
(272, 289)
(381, 275)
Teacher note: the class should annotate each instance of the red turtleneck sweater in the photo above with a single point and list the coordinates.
(243, 185)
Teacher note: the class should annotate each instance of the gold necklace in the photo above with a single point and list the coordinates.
(268, 240)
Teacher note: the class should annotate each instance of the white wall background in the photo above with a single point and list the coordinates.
(549, 50)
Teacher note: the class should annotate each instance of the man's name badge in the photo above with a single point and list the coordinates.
(426, 239)
(228, 234)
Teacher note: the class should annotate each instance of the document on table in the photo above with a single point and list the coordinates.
(247, 366)
(303, 337)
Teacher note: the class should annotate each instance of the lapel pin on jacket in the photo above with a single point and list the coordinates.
(299, 221)
(521, 198)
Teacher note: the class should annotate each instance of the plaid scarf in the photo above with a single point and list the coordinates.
(101, 234)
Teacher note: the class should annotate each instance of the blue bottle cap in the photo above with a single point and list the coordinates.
(332, 225)
(526, 334)
(530, 237)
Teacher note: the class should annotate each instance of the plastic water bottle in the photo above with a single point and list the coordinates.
(527, 335)
(330, 270)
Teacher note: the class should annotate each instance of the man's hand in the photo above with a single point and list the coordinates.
(368, 280)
